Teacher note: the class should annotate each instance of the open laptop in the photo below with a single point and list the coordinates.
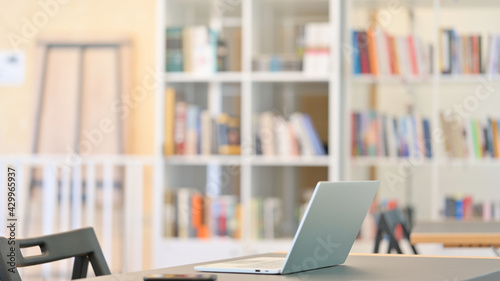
(325, 235)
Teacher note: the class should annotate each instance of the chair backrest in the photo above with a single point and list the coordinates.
(82, 244)
(387, 225)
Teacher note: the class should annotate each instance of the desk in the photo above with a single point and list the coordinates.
(457, 233)
(357, 267)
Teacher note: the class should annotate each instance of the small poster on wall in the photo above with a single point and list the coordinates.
(12, 68)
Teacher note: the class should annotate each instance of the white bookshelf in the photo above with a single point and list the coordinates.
(430, 180)
(256, 173)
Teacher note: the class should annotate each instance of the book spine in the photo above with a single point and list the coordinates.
(372, 52)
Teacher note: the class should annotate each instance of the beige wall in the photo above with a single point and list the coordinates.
(132, 18)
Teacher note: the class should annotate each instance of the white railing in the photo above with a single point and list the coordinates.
(54, 194)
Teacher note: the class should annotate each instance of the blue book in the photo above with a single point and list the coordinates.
(427, 138)
(313, 135)
(213, 42)
(359, 140)
(414, 136)
(372, 143)
(403, 137)
(397, 142)
(356, 59)
(459, 209)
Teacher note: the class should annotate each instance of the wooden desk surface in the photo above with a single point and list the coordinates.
(457, 233)
(357, 267)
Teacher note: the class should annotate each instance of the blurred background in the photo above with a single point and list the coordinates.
(193, 130)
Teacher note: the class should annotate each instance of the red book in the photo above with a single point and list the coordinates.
(468, 208)
(475, 54)
(363, 52)
(413, 55)
(222, 219)
(390, 53)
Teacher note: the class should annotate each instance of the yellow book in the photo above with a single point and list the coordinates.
(169, 144)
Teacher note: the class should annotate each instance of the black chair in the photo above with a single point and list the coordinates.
(82, 244)
(387, 225)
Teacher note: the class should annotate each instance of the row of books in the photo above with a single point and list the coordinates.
(191, 130)
(312, 52)
(471, 138)
(199, 49)
(464, 207)
(375, 134)
(276, 135)
(316, 58)
(191, 214)
(275, 63)
(376, 52)
(266, 217)
(460, 54)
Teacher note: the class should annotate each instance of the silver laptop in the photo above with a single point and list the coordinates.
(325, 235)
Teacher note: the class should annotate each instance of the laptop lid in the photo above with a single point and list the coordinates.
(330, 225)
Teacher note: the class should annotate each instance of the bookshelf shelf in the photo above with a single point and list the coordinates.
(371, 79)
(181, 77)
(303, 161)
(384, 161)
(471, 78)
(469, 162)
(427, 3)
(292, 76)
(445, 78)
(201, 160)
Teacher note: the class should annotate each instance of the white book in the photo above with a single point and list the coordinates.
(183, 212)
(203, 52)
(306, 145)
(282, 136)
(206, 132)
(266, 133)
(403, 56)
(493, 55)
(411, 138)
(497, 211)
(382, 52)
(272, 217)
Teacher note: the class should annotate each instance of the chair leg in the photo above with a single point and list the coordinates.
(407, 235)
(80, 267)
(394, 243)
(378, 238)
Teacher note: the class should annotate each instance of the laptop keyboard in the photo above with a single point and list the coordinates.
(265, 265)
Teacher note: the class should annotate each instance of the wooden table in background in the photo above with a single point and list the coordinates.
(457, 233)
